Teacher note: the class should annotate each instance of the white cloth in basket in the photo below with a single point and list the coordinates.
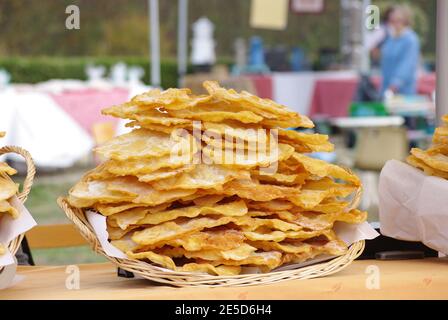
(413, 206)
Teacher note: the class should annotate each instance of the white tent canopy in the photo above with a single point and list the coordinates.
(32, 120)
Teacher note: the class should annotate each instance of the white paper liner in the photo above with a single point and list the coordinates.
(98, 222)
(349, 233)
(11, 228)
(7, 258)
(8, 275)
(413, 206)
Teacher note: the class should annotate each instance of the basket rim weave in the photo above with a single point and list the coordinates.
(14, 244)
(189, 279)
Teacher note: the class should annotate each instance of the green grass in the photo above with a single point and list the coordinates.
(42, 202)
(65, 256)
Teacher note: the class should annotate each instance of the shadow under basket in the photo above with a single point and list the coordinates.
(191, 279)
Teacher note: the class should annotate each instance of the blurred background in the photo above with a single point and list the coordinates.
(364, 71)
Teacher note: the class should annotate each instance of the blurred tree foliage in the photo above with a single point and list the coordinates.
(120, 27)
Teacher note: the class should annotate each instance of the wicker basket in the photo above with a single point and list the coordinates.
(185, 279)
(14, 245)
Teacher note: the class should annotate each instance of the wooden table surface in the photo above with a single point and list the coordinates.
(411, 279)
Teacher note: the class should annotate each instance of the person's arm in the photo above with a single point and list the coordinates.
(374, 38)
(407, 66)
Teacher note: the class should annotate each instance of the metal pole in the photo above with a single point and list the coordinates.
(365, 59)
(344, 31)
(153, 7)
(182, 36)
(441, 59)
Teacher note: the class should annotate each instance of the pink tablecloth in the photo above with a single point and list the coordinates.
(263, 85)
(332, 97)
(320, 92)
(426, 83)
(85, 105)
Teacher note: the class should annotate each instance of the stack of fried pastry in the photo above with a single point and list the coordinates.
(215, 209)
(7, 190)
(433, 161)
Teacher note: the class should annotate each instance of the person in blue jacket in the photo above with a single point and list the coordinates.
(400, 54)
